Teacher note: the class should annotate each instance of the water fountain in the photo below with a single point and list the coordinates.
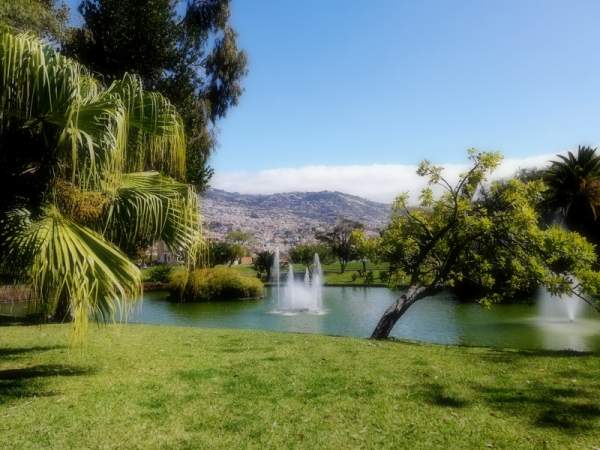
(299, 296)
(558, 307)
(275, 276)
(563, 321)
(317, 283)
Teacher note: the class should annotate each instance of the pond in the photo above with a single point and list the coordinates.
(354, 311)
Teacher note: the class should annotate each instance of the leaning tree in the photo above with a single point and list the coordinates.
(87, 170)
(453, 237)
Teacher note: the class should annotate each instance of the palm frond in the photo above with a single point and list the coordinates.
(64, 259)
(572, 179)
(82, 123)
(149, 206)
(87, 138)
(156, 137)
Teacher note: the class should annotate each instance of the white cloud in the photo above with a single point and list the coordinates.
(379, 182)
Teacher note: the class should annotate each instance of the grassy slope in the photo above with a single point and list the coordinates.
(146, 387)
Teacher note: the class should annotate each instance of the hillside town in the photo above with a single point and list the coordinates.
(287, 219)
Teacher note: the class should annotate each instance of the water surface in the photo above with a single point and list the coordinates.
(354, 311)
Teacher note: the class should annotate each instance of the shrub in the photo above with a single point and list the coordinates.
(158, 274)
(217, 284)
(178, 281)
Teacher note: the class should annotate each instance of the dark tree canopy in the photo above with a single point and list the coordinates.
(45, 18)
(305, 254)
(263, 263)
(223, 252)
(116, 38)
(574, 190)
(190, 57)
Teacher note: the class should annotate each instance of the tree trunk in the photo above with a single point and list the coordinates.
(397, 310)
(342, 266)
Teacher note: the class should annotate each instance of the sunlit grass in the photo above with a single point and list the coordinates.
(150, 386)
(333, 275)
(350, 277)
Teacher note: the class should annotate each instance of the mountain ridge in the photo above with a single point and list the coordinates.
(284, 219)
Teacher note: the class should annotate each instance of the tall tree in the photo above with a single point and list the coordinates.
(263, 263)
(87, 169)
(46, 19)
(339, 240)
(366, 248)
(225, 252)
(192, 58)
(305, 254)
(239, 237)
(454, 237)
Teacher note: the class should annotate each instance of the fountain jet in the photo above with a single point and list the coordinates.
(304, 295)
(275, 277)
(559, 307)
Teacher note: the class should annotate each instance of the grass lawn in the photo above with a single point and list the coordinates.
(332, 273)
(150, 386)
(334, 276)
(244, 269)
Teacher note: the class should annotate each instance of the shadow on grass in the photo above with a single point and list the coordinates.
(564, 399)
(509, 356)
(437, 395)
(571, 410)
(553, 402)
(31, 319)
(12, 352)
(26, 381)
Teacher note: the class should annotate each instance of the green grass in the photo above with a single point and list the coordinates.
(149, 387)
(244, 269)
(353, 266)
(332, 273)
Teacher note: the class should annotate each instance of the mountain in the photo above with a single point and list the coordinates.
(286, 219)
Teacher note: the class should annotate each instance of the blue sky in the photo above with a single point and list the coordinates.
(388, 82)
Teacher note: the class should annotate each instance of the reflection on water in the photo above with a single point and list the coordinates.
(355, 311)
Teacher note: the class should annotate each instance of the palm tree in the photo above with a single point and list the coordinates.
(574, 188)
(88, 170)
